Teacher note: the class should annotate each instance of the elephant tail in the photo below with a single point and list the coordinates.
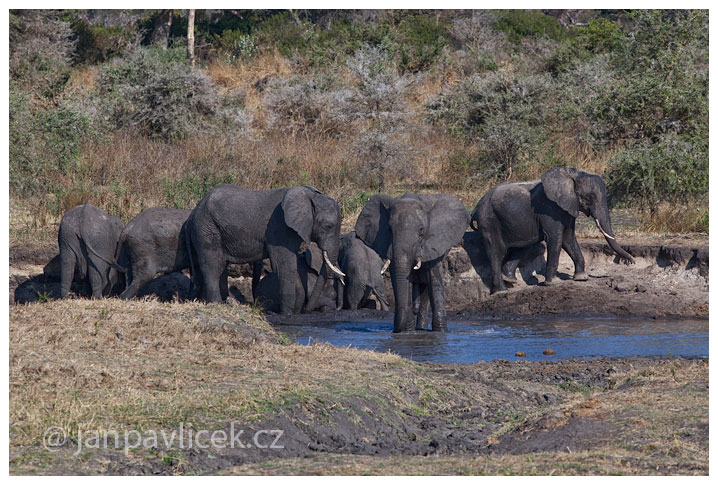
(188, 246)
(89, 247)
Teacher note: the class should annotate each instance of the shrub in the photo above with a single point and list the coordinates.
(98, 43)
(41, 47)
(420, 40)
(307, 106)
(508, 116)
(236, 45)
(672, 170)
(158, 93)
(523, 23)
(185, 192)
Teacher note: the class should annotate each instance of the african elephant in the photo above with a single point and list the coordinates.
(236, 225)
(89, 241)
(415, 232)
(364, 269)
(310, 265)
(153, 244)
(518, 215)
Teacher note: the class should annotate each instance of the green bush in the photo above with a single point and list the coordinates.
(236, 45)
(518, 24)
(98, 43)
(185, 192)
(155, 91)
(672, 170)
(420, 40)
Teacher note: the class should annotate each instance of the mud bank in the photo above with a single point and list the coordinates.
(668, 279)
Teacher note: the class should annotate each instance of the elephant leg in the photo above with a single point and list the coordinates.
(223, 284)
(67, 266)
(570, 245)
(355, 294)
(553, 246)
(284, 264)
(257, 268)
(496, 253)
(211, 274)
(508, 271)
(339, 288)
(436, 295)
(96, 281)
(422, 317)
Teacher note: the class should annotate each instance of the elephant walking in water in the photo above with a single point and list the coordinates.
(415, 232)
(519, 215)
(236, 225)
(89, 243)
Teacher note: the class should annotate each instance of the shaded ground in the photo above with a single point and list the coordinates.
(115, 366)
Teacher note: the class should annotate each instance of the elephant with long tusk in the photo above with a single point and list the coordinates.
(519, 215)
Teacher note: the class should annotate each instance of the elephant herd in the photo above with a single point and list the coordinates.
(312, 265)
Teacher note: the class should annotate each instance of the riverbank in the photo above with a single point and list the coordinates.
(114, 366)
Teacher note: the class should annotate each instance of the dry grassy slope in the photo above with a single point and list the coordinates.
(114, 365)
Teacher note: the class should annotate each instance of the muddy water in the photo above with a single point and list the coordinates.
(473, 341)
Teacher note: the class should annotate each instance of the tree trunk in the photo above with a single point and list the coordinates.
(190, 37)
(161, 29)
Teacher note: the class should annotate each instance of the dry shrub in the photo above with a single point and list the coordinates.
(675, 218)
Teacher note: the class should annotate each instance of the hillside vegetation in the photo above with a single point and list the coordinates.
(103, 109)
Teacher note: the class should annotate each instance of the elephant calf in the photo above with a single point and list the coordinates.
(519, 215)
(89, 244)
(153, 243)
(310, 272)
(363, 268)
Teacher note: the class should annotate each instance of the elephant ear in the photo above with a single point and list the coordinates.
(372, 226)
(299, 210)
(558, 185)
(448, 220)
(313, 255)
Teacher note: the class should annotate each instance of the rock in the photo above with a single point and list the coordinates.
(549, 352)
(520, 354)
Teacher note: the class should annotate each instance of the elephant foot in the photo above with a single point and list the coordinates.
(582, 276)
(549, 282)
(498, 289)
(508, 279)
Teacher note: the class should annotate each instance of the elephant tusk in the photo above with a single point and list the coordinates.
(418, 263)
(385, 267)
(333, 268)
(598, 224)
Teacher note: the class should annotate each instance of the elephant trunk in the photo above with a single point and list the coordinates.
(402, 293)
(603, 222)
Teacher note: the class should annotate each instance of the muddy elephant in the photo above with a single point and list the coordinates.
(236, 225)
(310, 268)
(153, 244)
(89, 244)
(518, 215)
(364, 269)
(415, 232)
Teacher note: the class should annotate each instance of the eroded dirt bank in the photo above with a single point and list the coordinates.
(114, 365)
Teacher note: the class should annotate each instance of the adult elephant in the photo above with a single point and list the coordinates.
(415, 232)
(364, 269)
(310, 268)
(153, 244)
(89, 244)
(519, 215)
(236, 225)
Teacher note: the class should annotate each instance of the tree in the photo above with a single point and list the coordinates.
(161, 30)
(190, 36)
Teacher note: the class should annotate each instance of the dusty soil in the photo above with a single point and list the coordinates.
(146, 364)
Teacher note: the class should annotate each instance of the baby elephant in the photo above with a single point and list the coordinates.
(88, 241)
(364, 269)
(310, 273)
(153, 243)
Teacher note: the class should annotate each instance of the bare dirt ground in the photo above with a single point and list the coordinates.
(147, 365)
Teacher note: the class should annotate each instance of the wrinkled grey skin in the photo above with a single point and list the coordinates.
(153, 244)
(362, 266)
(518, 215)
(236, 225)
(309, 269)
(89, 244)
(411, 229)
